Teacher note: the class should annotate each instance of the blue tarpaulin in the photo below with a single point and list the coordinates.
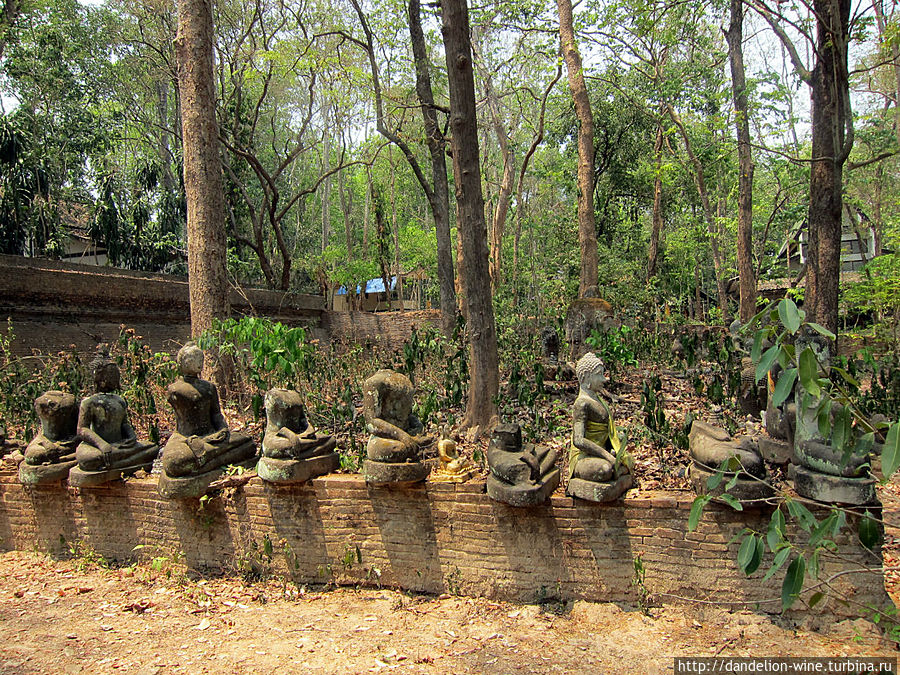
(372, 286)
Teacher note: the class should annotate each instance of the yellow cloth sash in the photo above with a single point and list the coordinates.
(599, 433)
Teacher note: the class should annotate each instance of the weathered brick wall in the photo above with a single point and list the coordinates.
(386, 329)
(432, 538)
(54, 305)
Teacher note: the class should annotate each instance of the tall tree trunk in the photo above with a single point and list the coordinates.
(207, 279)
(831, 142)
(326, 185)
(746, 273)
(587, 226)
(481, 410)
(439, 197)
(656, 230)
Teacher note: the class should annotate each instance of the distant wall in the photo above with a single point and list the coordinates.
(386, 329)
(54, 305)
(433, 538)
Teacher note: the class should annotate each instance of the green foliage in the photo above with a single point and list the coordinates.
(613, 347)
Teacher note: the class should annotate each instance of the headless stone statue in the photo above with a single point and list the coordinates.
(599, 468)
(109, 447)
(521, 474)
(51, 454)
(397, 436)
(292, 450)
(202, 445)
(712, 446)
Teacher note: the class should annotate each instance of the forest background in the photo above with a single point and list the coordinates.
(316, 198)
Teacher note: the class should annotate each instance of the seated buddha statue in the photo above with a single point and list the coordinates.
(394, 450)
(51, 453)
(109, 446)
(292, 451)
(202, 444)
(599, 467)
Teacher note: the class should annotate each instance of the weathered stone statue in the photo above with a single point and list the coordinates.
(752, 395)
(598, 466)
(202, 445)
(109, 447)
(823, 472)
(585, 315)
(292, 450)
(51, 454)
(397, 438)
(711, 446)
(451, 468)
(521, 475)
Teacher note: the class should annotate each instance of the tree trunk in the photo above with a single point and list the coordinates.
(481, 409)
(831, 143)
(746, 273)
(439, 197)
(708, 215)
(507, 181)
(656, 230)
(207, 279)
(587, 227)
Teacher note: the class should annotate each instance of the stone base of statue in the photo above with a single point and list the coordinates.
(193, 486)
(522, 494)
(596, 491)
(834, 489)
(745, 490)
(297, 470)
(394, 474)
(142, 457)
(40, 474)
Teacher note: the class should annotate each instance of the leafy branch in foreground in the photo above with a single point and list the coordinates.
(833, 434)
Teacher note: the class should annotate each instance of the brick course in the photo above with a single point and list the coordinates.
(433, 538)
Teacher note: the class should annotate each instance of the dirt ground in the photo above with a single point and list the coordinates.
(72, 616)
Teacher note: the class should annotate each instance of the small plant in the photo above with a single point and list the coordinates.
(638, 582)
(86, 556)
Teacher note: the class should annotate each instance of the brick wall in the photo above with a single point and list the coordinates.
(387, 329)
(432, 538)
(55, 305)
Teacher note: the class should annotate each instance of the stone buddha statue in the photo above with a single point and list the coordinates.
(109, 446)
(821, 471)
(394, 451)
(51, 454)
(712, 448)
(521, 474)
(201, 445)
(292, 451)
(599, 467)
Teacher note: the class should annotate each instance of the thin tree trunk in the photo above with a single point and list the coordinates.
(481, 409)
(708, 215)
(207, 281)
(746, 273)
(587, 227)
(656, 230)
(439, 197)
(507, 181)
